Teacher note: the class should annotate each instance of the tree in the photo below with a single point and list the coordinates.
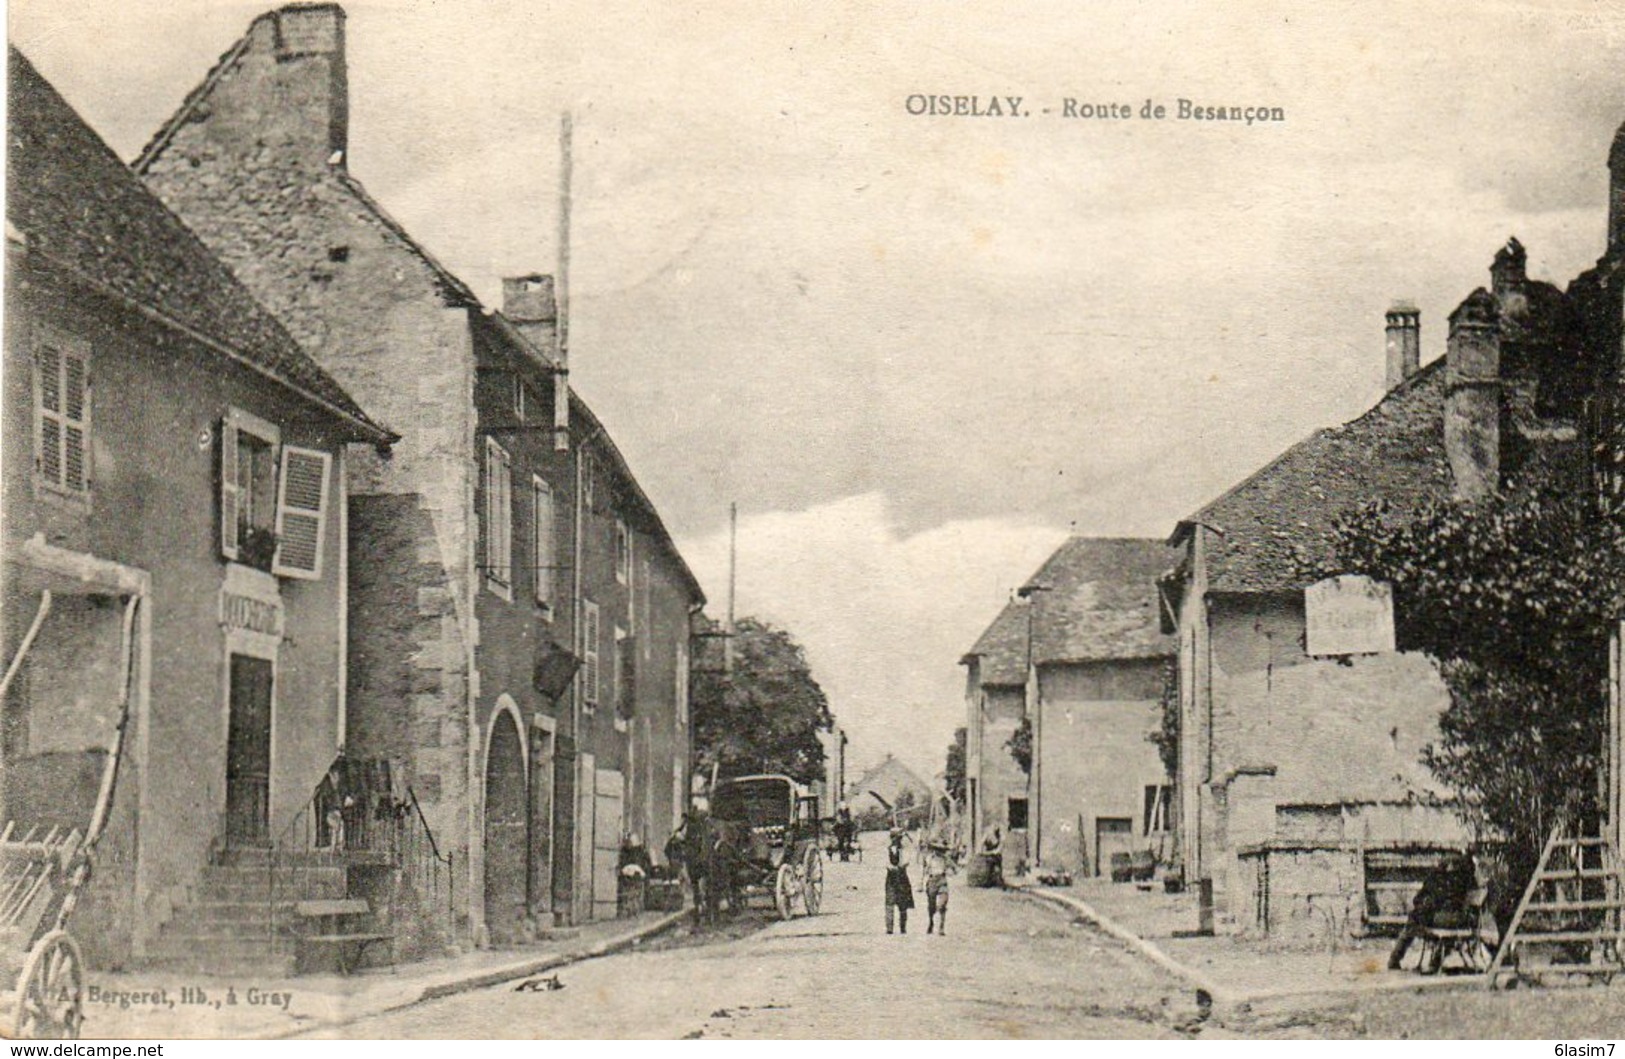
(953, 776)
(1512, 599)
(764, 715)
(1166, 735)
(1020, 745)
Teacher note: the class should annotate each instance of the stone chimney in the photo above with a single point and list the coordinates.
(1404, 342)
(529, 302)
(1509, 271)
(1472, 413)
(1616, 193)
(281, 94)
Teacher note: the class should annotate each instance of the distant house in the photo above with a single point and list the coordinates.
(1302, 795)
(892, 780)
(1099, 660)
(166, 442)
(519, 633)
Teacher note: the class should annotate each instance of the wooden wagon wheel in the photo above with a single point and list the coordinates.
(51, 990)
(812, 880)
(784, 890)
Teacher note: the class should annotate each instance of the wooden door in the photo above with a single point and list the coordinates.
(248, 752)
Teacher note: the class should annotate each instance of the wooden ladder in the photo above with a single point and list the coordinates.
(1573, 908)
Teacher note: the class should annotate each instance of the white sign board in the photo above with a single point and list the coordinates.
(1349, 615)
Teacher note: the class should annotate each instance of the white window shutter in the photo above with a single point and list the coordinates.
(301, 513)
(543, 544)
(76, 423)
(228, 488)
(48, 408)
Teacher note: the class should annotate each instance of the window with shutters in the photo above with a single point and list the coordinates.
(498, 527)
(301, 513)
(248, 495)
(589, 653)
(542, 540)
(62, 414)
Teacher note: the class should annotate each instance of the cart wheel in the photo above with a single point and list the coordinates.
(51, 990)
(812, 882)
(784, 890)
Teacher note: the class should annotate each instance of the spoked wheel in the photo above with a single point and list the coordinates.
(784, 890)
(812, 881)
(51, 990)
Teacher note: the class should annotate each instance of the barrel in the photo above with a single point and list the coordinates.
(985, 871)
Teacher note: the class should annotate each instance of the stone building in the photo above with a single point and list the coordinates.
(1089, 623)
(996, 787)
(166, 441)
(1301, 794)
(519, 632)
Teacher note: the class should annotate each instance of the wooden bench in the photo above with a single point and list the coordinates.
(335, 929)
(1464, 942)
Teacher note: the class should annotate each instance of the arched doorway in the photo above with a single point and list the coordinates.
(506, 832)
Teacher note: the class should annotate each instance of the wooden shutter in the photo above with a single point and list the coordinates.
(543, 534)
(62, 413)
(48, 411)
(75, 422)
(301, 513)
(228, 488)
(589, 653)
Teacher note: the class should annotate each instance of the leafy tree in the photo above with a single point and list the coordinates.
(953, 776)
(1512, 599)
(1166, 735)
(764, 715)
(1020, 745)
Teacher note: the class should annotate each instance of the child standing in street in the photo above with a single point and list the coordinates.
(899, 891)
(938, 866)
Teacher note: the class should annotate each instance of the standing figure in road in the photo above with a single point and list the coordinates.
(938, 866)
(844, 829)
(899, 891)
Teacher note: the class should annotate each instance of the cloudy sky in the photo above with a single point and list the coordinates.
(918, 351)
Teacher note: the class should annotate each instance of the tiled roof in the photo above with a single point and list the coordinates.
(1002, 649)
(1274, 530)
(78, 208)
(1097, 601)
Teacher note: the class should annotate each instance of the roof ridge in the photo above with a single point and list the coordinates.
(1404, 388)
(183, 239)
(454, 284)
(183, 114)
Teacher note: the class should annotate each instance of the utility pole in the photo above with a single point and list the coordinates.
(561, 380)
(733, 581)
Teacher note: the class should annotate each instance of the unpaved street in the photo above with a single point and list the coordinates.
(1009, 967)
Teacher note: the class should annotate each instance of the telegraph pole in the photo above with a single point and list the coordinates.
(733, 582)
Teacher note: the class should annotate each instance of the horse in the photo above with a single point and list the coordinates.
(708, 850)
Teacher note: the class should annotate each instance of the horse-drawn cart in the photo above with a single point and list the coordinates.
(68, 695)
(780, 848)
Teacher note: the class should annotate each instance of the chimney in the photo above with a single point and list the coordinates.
(281, 95)
(1509, 271)
(529, 302)
(1472, 413)
(1616, 193)
(1404, 342)
(309, 48)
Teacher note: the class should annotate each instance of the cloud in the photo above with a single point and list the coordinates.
(884, 616)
